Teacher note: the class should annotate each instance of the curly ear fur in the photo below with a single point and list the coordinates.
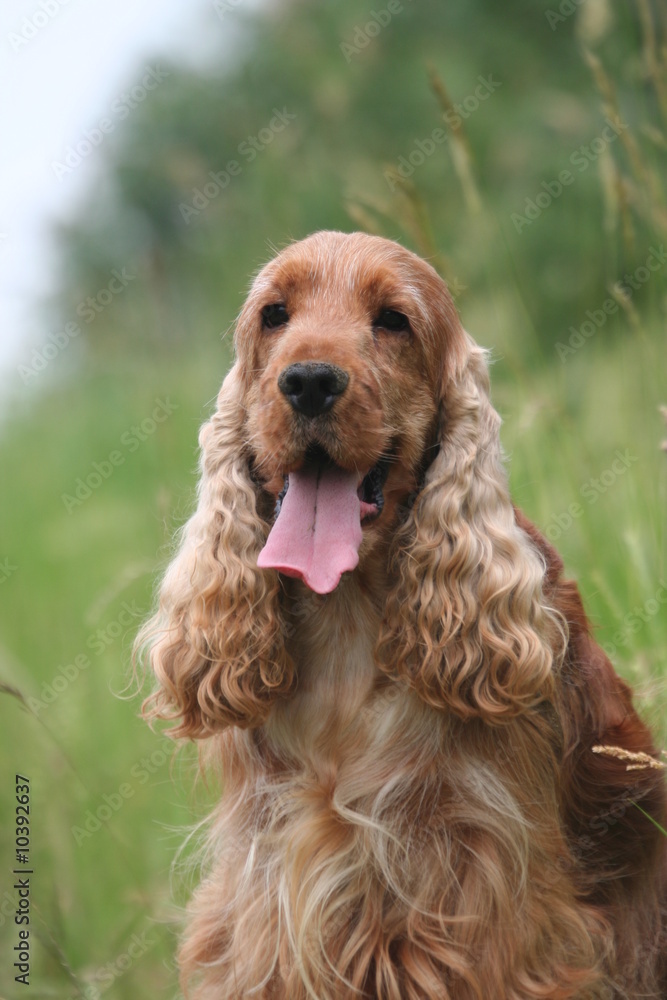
(216, 642)
(465, 624)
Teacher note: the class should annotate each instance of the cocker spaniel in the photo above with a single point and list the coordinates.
(400, 691)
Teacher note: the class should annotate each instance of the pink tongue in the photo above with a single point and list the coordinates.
(317, 534)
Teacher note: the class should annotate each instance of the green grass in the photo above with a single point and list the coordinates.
(70, 609)
(76, 571)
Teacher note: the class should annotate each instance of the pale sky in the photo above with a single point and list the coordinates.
(82, 56)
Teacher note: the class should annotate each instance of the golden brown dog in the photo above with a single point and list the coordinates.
(401, 693)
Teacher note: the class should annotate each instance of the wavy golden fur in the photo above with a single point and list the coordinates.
(411, 807)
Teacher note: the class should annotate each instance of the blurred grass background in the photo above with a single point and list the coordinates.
(367, 87)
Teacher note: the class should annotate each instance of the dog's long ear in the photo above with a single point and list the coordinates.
(465, 624)
(216, 642)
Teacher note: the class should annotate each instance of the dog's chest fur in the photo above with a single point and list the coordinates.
(361, 798)
(347, 723)
(362, 763)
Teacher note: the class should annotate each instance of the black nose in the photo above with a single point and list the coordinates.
(312, 388)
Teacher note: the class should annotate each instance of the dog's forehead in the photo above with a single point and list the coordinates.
(352, 265)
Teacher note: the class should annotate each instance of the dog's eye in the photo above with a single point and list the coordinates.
(274, 315)
(392, 320)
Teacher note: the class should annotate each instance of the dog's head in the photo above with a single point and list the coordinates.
(355, 423)
(345, 346)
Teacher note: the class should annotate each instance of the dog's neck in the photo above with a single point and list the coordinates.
(331, 640)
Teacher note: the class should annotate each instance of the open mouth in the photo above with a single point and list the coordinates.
(319, 515)
(370, 490)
